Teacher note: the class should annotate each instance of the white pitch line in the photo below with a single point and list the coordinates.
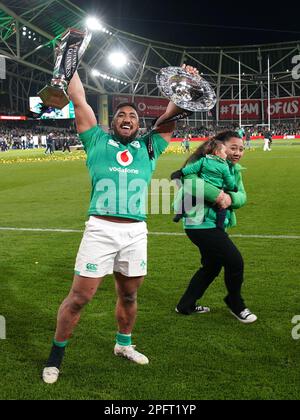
(267, 236)
(233, 236)
(12, 229)
(40, 230)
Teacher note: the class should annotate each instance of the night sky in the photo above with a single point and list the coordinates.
(196, 23)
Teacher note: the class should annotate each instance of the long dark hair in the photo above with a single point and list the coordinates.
(210, 145)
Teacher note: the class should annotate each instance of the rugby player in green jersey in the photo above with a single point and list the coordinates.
(115, 239)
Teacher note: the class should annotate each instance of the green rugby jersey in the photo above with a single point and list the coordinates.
(120, 173)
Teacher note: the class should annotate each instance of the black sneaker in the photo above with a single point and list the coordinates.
(198, 310)
(246, 316)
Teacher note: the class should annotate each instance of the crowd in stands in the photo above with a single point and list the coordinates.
(28, 135)
(278, 129)
(33, 133)
(286, 129)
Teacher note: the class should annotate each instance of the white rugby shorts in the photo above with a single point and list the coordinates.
(109, 247)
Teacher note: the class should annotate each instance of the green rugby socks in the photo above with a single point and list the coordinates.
(123, 339)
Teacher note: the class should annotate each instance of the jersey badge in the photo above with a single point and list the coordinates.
(124, 158)
(113, 143)
(135, 144)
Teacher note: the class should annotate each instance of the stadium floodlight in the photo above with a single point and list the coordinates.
(104, 76)
(118, 59)
(95, 73)
(94, 24)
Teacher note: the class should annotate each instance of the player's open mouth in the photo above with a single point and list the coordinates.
(125, 129)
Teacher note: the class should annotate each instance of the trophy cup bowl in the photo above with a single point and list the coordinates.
(187, 91)
(69, 52)
(54, 96)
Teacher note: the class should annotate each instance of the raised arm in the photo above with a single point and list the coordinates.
(84, 115)
(166, 130)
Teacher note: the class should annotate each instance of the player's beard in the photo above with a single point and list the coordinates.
(126, 140)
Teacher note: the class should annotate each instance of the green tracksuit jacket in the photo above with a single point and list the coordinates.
(214, 170)
(205, 218)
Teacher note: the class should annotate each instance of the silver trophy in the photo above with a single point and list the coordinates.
(68, 55)
(187, 91)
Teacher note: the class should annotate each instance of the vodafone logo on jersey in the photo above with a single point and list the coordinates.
(124, 158)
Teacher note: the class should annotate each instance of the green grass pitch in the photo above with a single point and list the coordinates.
(209, 356)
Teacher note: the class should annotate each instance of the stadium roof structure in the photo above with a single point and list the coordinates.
(30, 61)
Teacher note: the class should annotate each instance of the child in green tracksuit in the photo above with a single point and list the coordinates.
(212, 168)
